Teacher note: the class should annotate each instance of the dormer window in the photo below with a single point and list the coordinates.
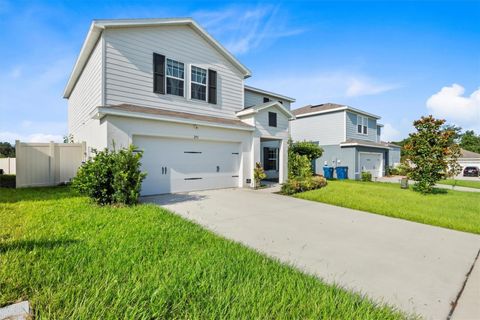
(362, 124)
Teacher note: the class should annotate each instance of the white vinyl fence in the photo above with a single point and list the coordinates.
(7, 165)
(47, 164)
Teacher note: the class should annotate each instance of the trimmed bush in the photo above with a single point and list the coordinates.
(7, 180)
(111, 177)
(293, 186)
(299, 166)
(366, 176)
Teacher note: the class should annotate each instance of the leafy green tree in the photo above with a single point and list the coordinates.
(470, 141)
(432, 153)
(7, 150)
(306, 148)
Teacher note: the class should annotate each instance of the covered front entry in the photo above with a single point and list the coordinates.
(371, 162)
(180, 165)
(270, 158)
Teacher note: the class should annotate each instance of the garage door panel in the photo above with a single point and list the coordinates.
(371, 162)
(190, 164)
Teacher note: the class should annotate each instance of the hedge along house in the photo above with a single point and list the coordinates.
(349, 137)
(169, 88)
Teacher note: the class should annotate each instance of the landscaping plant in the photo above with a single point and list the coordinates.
(366, 176)
(432, 153)
(258, 174)
(111, 177)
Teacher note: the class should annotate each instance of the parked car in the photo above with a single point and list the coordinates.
(470, 172)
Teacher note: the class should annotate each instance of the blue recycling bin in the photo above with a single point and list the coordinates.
(328, 172)
(342, 173)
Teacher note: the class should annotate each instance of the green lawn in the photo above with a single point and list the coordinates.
(74, 260)
(450, 209)
(462, 183)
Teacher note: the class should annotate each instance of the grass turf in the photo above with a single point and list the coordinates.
(450, 209)
(74, 260)
(462, 183)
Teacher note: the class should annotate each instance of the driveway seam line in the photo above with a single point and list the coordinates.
(467, 276)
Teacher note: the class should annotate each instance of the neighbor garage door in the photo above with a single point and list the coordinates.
(371, 162)
(180, 165)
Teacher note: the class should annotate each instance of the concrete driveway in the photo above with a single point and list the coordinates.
(418, 268)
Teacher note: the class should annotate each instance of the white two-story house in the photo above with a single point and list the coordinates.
(349, 137)
(169, 88)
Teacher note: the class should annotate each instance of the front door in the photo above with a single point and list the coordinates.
(270, 162)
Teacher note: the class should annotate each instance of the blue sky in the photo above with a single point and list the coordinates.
(399, 60)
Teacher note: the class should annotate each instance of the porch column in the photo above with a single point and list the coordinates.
(283, 163)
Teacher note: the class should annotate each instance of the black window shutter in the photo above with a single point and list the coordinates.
(158, 73)
(265, 158)
(212, 86)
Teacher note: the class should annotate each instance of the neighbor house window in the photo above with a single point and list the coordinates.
(199, 83)
(175, 77)
(272, 119)
(362, 125)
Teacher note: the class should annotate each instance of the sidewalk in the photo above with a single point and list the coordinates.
(396, 179)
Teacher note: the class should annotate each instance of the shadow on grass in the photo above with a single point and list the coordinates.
(8, 195)
(29, 245)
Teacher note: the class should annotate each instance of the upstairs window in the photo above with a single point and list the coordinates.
(175, 77)
(272, 119)
(199, 84)
(265, 99)
(362, 125)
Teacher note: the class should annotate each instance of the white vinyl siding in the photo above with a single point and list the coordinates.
(264, 130)
(129, 70)
(327, 129)
(253, 98)
(87, 93)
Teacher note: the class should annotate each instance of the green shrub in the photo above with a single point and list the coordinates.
(111, 177)
(306, 148)
(366, 176)
(294, 185)
(7, 180)
(299, 166)
(127, 177)
(258, 174)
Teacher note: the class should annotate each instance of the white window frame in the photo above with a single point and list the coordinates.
(198, 83)
(363, 121)
(173, 77)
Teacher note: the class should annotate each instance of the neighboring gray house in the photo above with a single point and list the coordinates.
(348, 136)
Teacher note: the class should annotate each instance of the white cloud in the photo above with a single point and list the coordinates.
(451, 104)
(243, 29)
(365, 86)
(390, 133)
(35, 137)
(318, 87)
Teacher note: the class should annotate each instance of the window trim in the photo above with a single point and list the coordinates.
(173, 77)
(363, 125)
(276, 119)
(198, 83)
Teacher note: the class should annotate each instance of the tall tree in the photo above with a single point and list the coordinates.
(432, 153)
(470, 141)
(7, 150)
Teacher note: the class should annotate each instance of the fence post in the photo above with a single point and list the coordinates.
(17, 153)
(52, 163)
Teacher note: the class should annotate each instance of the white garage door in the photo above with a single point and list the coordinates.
(371, 162)
(180, 165)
